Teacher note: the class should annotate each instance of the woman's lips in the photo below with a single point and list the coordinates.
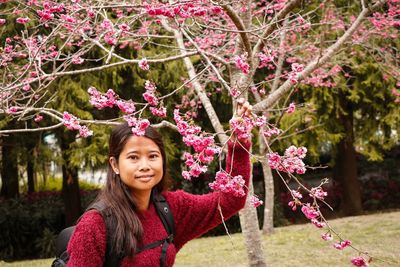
(145, 178)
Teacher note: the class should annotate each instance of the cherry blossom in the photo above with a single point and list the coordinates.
(291, 108)
(138, 125)
(309, 211)
(38, 118)
(143, 64)
(22, 20)
(226, 184)
(70, 121)
(240, 62)
(255, 201)
(326, 236)
(342, 244)
(85, 132)
(160, 112)
(359, 261)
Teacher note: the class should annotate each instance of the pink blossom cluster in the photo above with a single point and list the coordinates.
(241, 63)
(226, 184)
(38, 118)
(296, 199)
(323, 77)
(109, 99)
(296, 194)
(143, 64)
(327, 236)
(209, 40)
(396, 93)
(234, 92)
(49, 8)
(22, 20)
(291, 108)
(184, 10)
(77, 60)
(270, 132)
(255, 201)
(309, 211)
(72, 123)
(318, 192)
(12, 110)
(195, 169)
(150, 94)
(267, 59)
(312, 214)
(204, 146)
(342, 244)
(294, 74)
(291, 161)
(359, 261)
(138, 126)
(241, 126)
(159, 112)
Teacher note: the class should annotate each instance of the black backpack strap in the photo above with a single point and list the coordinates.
(112, 258)
(167, 220)
(164, 213)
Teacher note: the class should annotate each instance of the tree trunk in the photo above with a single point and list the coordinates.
(9, 168)
(251, 232)
(70, 186)
(31, 175)
(268, 225)
(345, 169)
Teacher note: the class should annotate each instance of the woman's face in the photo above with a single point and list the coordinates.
(139, 165)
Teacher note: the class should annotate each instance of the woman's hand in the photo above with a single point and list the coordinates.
(243, 108)
(240, 121)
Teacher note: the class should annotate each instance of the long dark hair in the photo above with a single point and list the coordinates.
(117, 197)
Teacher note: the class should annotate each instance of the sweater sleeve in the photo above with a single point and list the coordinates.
(88, 243)
(196, 214)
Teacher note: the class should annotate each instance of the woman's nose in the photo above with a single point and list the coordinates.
(144, 165)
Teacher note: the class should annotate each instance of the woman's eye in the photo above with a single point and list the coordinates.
(133, 157)
(154, 156)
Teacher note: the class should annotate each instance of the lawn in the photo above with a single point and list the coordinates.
(296, 245)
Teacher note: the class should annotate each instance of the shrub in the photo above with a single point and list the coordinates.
(30, 224)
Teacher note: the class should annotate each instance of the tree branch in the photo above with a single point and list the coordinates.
(112, 65)
(200, 92)
(240, 26)
(274, 24)
(313, 65)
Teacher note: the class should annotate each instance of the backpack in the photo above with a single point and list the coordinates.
(113, 259)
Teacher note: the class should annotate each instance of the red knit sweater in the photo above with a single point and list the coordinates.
(193, 215)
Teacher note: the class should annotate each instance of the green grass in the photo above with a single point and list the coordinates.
(296, 245)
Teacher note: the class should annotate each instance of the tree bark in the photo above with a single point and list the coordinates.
(31, 175)
(30, 162)
(268, 225)
(9, 168)
(70, 186)
(251, 232)
(345, 169)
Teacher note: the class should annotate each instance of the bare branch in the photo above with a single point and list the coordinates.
(240, 26)
(4, 132)
(274, 24)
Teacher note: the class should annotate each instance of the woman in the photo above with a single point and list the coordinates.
(138, 167)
